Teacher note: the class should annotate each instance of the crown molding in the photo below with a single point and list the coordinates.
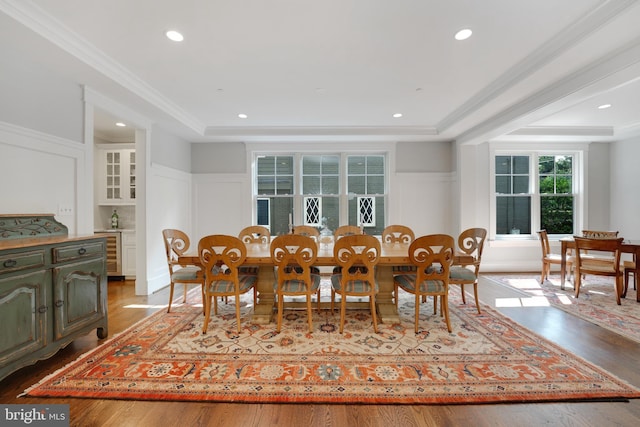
(320, 130)
(543, 55)
(611, 71)
(565, 131)
(55, 32)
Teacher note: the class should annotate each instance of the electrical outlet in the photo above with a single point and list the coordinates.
(65, 210)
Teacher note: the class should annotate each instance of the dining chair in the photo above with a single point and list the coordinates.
(470, 243)
(176, 244)
(254, 234)
(221, 256)
(586, 265)
(314, 233)
(356, 255)
(293, 256)
(346, 230)
(549, 258)
(432, 255)
(398, 234)
(598, 234)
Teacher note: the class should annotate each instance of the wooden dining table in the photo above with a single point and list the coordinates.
(392, 254)
(628, 246)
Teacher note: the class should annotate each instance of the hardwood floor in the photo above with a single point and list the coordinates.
(612, 352)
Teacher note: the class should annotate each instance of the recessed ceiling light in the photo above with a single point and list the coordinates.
(120, 124)
(242, 116)
(604, 106)
(463, 34)
(174, 35)
(397, 115)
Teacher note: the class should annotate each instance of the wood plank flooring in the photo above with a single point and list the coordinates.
(612, 352)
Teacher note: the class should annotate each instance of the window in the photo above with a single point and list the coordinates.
(534, 190)
(319, 189)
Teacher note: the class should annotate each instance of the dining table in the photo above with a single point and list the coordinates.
(392, 254)
(628, 246)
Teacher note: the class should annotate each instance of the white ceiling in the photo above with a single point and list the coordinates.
(337, 70)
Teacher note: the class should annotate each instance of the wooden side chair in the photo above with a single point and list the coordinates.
(432, 256)
(346, 230)
(176, 244)
(251, 235)
(588, 266)
(294, 255)
(470, 243)
(549, 258)
(398, 234)
(221, 256)
(357, 256)
(306, 230)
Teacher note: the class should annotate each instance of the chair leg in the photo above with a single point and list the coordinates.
(445, 307)
(207, 313)
(464, 300)
(417, 315)
(310, 313)
(170, 296)
(578, 282)
(186, 288)
(542, 275)
(372, 301)
(280, 309)
(343, 311)
(619, 286)
(475, 294)
(318, 299)
(238, 314)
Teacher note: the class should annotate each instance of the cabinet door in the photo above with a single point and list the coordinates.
(117, 176)
(23, 314)
(129, 254)
(79, 297)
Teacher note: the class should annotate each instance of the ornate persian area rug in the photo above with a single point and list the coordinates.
(596, 302)
(485, 359)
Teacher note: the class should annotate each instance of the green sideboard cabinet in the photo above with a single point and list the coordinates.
(53, 289)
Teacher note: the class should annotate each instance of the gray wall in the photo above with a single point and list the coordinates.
(424, 157)
(218, 158)
(169, 150)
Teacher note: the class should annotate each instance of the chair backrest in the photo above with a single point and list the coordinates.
(471, 242)
(432, 255)
(221, 255)
(293, 255)
(397, 234)
(544, 243)
(357, 255)
(176, 243)
(346, 230)
(584, 244)
(306, 230)
(255, 234)
(597, 234)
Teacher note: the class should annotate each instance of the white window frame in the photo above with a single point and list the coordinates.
(534, 151)
(254, 150)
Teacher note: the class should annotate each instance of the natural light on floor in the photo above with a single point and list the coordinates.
(532, 287)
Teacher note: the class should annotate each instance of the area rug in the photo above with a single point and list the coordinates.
(485, 359)
(596, 302)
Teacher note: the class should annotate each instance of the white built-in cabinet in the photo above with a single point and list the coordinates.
(116, 166)
(128, 251)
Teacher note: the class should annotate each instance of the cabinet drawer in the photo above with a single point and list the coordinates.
(73, 252)
(21, 261)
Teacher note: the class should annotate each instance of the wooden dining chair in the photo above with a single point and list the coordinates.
(306, 230)
(356, 255)
(432, 255)
(176, 244)
(629, 269)
(293, 256)
(254, 234)
(398, 234)
(470, 243)
(346, 230)
(221, 256)
(586, 265)
(549, 258)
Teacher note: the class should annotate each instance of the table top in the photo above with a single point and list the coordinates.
(391, 254)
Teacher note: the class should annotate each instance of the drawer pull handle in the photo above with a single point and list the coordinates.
(42, 309)
(59, 303)
(10, 263)
(82, 251)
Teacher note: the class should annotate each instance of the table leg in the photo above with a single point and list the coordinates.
(263, 311)
(387, 312)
